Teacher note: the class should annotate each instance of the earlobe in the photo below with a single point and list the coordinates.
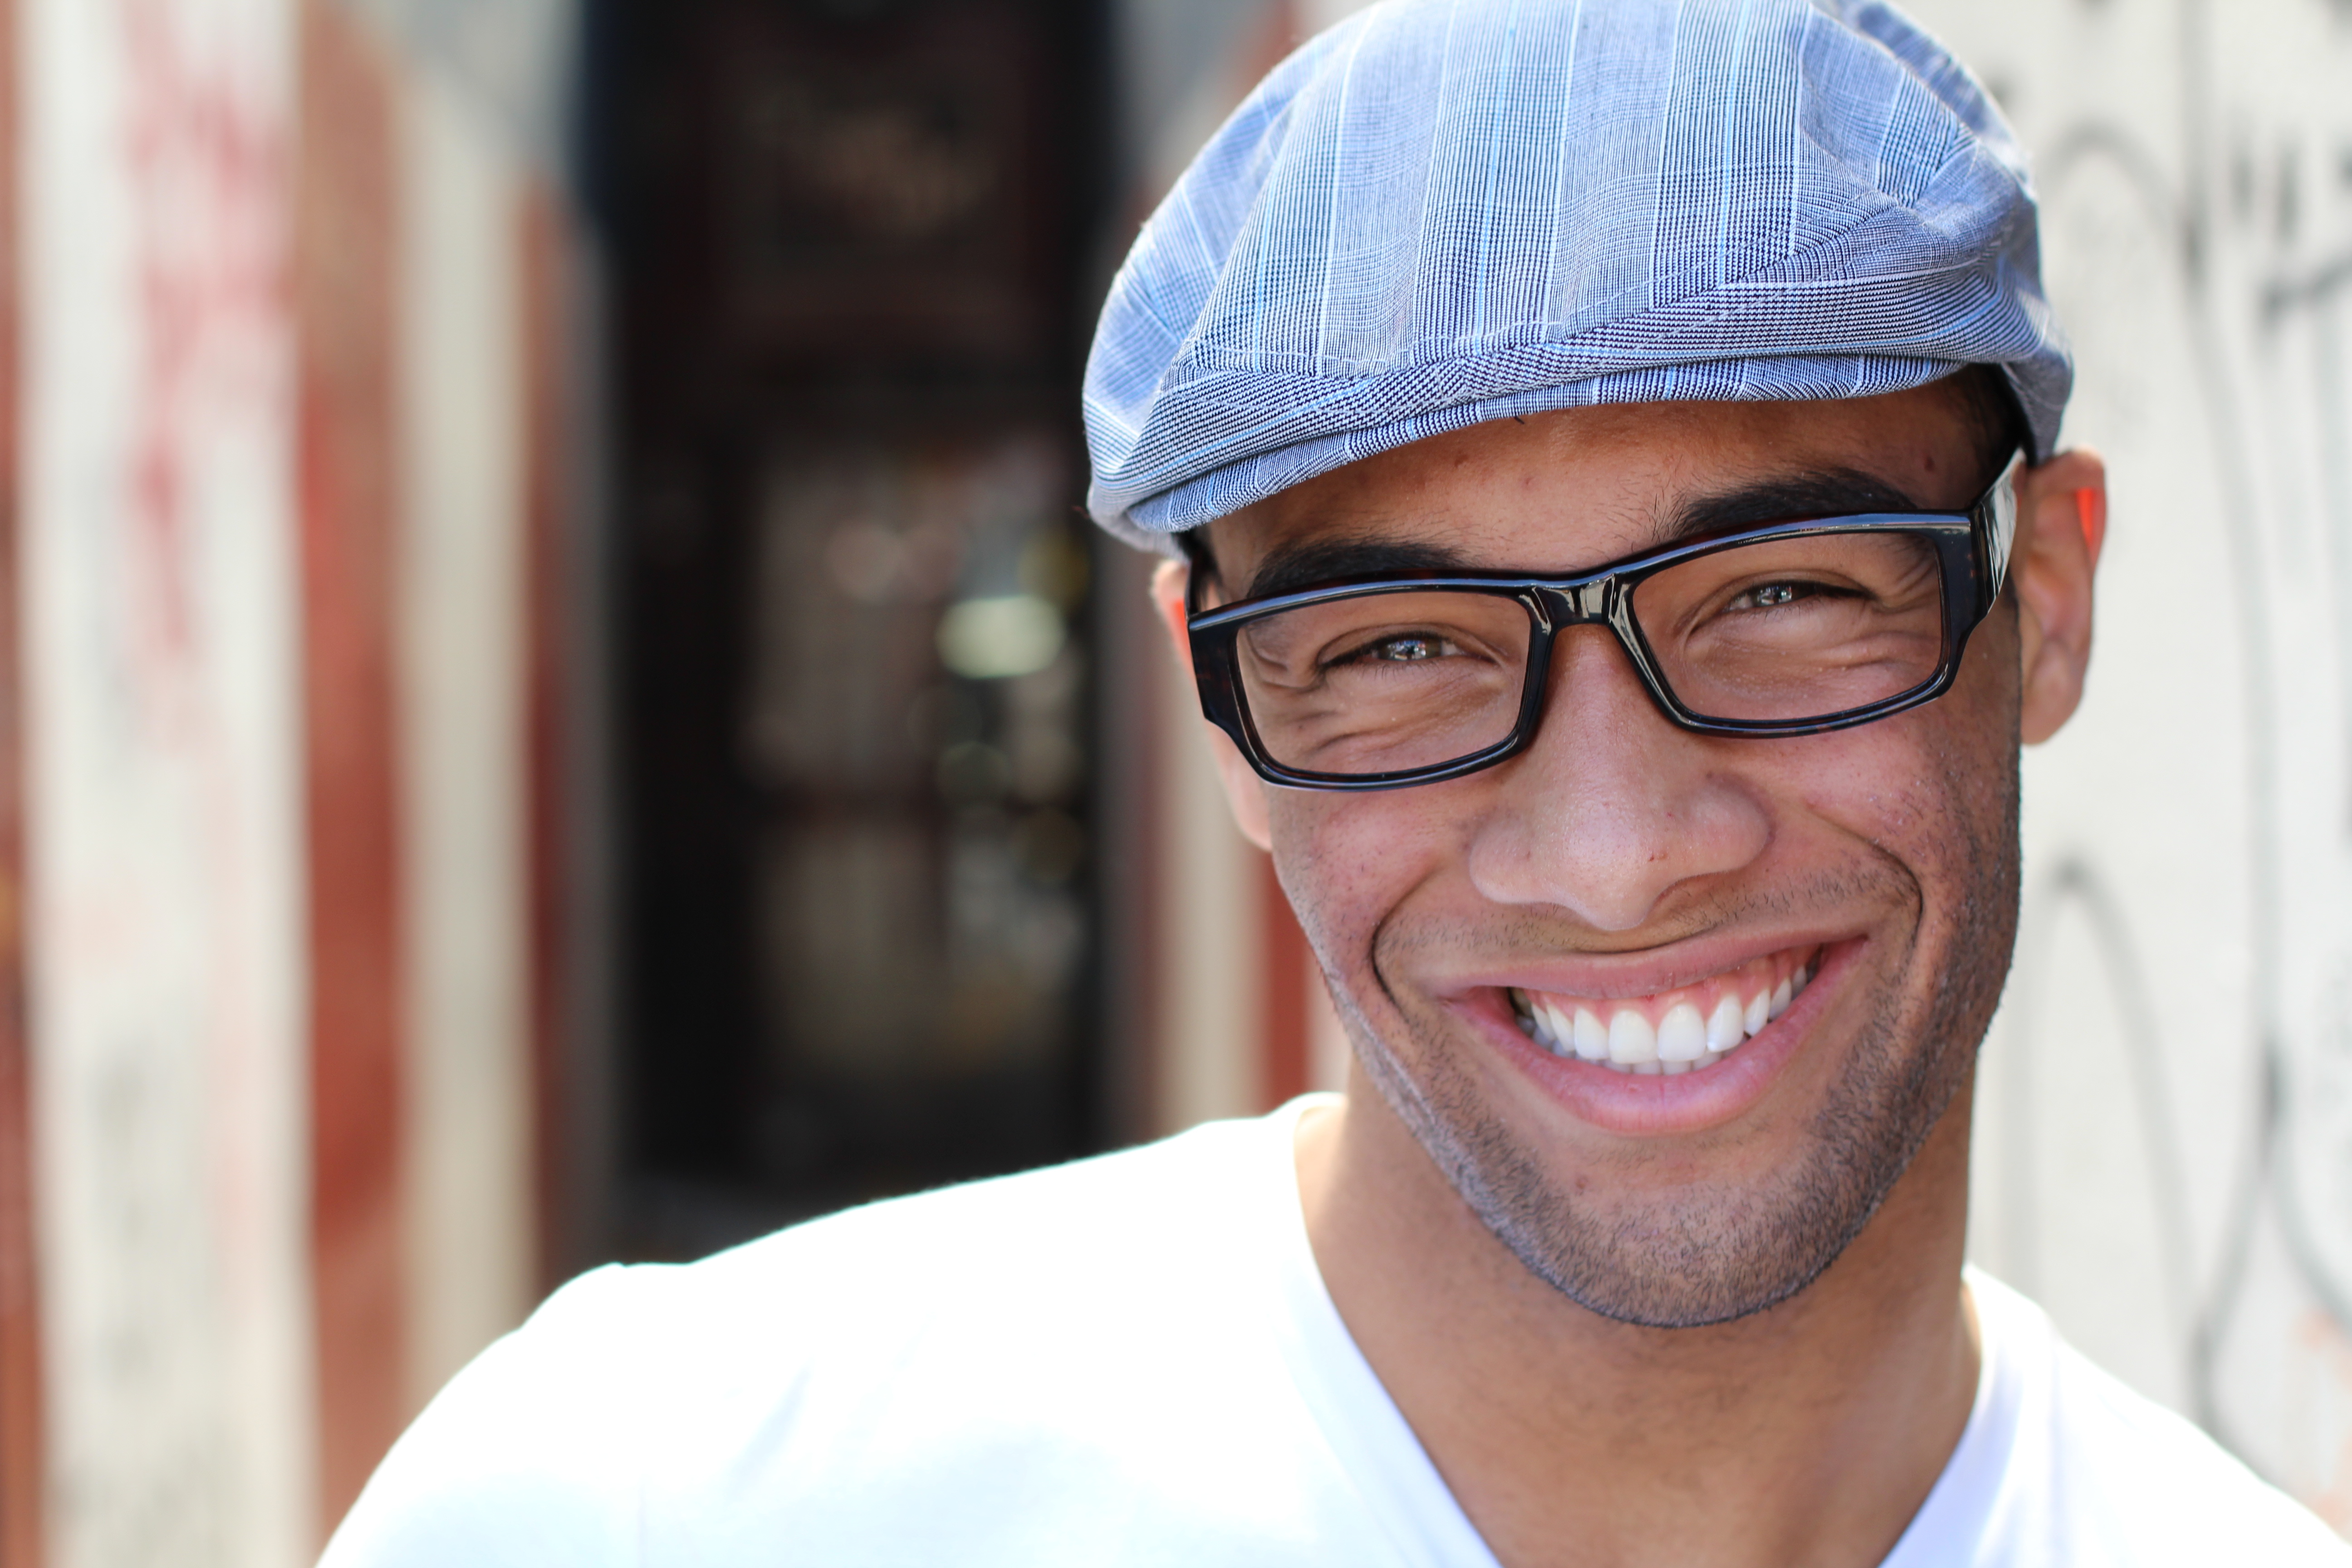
(2061, 528)
(1244, 791)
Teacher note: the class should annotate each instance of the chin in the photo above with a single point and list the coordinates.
(1703, 1248)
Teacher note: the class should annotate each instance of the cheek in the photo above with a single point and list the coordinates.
(1919, 776)
(1347, 862)
(1965, 747)
(1934, 792)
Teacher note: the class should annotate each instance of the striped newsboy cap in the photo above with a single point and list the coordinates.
(1441, 212)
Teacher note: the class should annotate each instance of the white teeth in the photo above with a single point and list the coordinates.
(1682, 1034)
(1723, 1025)
(1680, 1042)
(1592, 1040)
(1631, 1039)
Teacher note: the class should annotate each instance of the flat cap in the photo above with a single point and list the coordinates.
(1441, 212)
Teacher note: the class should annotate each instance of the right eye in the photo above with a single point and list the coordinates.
(1401, 647)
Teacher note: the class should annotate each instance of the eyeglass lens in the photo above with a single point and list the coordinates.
(1782, 630)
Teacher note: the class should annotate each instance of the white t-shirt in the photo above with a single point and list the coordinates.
(1127, 1361)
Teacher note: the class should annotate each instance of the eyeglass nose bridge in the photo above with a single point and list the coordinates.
(1592, 602)
(1603, 602)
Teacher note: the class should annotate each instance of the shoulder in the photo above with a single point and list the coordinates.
(2128, 1480)
(646, 1391)
(1045, 1243)
(516, 1460)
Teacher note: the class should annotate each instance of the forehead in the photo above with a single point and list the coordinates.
(1574, 488)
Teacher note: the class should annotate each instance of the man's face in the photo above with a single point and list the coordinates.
(1624, 868)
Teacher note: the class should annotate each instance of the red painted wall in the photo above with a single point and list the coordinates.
(344, 303)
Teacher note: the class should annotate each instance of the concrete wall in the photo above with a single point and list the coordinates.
(164, 762)
(2163, 1148)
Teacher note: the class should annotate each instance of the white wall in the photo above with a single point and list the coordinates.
(472, 1267)
(164, 925)
(2189, 906)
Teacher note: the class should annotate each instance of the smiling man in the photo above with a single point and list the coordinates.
(1607, 451)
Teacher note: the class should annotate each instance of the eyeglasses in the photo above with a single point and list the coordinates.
(1789, 629)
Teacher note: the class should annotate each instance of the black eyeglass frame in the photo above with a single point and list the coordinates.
(1972, 556)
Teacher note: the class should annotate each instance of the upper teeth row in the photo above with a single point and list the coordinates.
(1681, 1039)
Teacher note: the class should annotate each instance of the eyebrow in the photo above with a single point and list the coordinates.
(1288, 568)
(1830, 492)
(1826, 492)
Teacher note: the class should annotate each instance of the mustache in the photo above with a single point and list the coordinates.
(1546, 931)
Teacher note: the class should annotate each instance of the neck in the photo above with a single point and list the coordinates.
(1809, 1432)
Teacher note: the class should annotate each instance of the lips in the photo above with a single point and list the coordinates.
(1688, 1029)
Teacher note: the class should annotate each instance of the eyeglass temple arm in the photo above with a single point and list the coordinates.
(1194, 544)
(1999, 512)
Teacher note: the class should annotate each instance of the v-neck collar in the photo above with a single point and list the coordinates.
(1374, 1445)
(1380, 1455)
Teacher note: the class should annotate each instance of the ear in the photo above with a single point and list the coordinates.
(1244, 791)
(2062, 524)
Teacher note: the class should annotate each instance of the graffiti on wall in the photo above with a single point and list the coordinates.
(164, 959)
(2165, 1124)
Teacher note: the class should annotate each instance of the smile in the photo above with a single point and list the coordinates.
(1688, 1029)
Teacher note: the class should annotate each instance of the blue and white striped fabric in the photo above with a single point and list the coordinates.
(1447, 211)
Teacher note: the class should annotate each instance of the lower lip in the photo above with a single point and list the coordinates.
(1653, 1104)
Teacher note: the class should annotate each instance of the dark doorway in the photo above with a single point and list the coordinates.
(847, 241)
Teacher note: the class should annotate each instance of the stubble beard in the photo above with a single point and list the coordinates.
(1687, 1261)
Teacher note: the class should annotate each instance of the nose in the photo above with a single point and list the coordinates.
(1611, 807)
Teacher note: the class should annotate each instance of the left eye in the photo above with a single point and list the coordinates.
(1771, 596)
(1404, 651)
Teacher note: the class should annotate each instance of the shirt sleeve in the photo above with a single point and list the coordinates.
(530, 1457)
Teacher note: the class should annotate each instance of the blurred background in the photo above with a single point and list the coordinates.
(556, 703)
